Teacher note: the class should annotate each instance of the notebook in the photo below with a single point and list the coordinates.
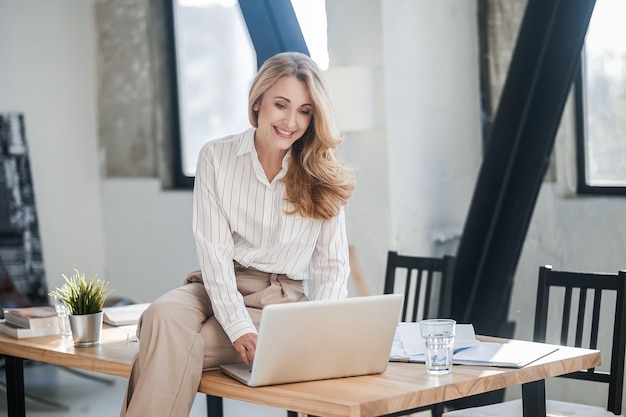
(314, 340)
(503, 354)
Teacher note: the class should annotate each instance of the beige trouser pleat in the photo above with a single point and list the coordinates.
(179, 337)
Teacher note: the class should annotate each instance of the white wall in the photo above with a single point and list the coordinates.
(149, 243)
(358, 42)
(47, 72)
(416, 167)
(127, 231)
(433, 118)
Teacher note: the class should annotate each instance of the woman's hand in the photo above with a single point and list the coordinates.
(246, 346)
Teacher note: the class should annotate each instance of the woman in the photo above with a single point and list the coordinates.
(267, 216)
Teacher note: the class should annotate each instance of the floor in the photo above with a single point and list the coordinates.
(67, 394)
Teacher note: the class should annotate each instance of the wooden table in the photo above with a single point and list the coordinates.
(403, 386)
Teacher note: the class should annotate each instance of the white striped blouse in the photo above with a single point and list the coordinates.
(239, 215)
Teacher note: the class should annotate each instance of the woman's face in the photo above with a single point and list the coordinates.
(284, 113)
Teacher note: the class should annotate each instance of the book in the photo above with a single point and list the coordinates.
(123, 315)
(22, 333)
(32, 317)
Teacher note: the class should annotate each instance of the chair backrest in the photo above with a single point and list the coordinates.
(20, 241)
(425, 282)
(582, 309)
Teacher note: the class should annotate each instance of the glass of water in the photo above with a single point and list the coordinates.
(64, 318)
(438, 334)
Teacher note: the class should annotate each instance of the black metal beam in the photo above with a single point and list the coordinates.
(517, 155)
(273, 27)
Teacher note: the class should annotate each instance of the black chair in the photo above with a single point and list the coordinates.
(582, 310)
(426, 283)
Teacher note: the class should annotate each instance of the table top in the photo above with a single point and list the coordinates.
(402, 386)
(113, 356)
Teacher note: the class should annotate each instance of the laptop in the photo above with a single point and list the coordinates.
(313, 340)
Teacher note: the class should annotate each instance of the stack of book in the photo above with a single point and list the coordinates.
(26, 322)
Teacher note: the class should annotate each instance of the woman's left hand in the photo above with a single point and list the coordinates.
(246, 346)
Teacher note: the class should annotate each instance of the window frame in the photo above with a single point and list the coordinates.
(268, 38)
(581, 132)
(178, 179)
(582, 186)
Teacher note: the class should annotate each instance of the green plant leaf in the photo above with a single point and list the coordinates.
(82, 296)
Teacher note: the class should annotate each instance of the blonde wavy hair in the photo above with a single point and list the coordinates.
(317, 184)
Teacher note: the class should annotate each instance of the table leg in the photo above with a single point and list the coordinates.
(15, 386)
(215, 406)
(534, 398)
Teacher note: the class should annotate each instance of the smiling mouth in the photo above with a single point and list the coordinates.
(285, 133)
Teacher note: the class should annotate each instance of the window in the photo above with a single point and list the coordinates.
(601, 102)
(215, 61)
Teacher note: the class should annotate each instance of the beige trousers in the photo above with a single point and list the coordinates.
(179, 337)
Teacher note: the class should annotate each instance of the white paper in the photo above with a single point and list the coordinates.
(408, 344)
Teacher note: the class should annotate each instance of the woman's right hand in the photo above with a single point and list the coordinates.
(246, 346)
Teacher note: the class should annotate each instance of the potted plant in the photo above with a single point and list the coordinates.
(84, 300)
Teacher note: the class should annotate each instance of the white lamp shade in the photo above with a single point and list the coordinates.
(351, 89)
